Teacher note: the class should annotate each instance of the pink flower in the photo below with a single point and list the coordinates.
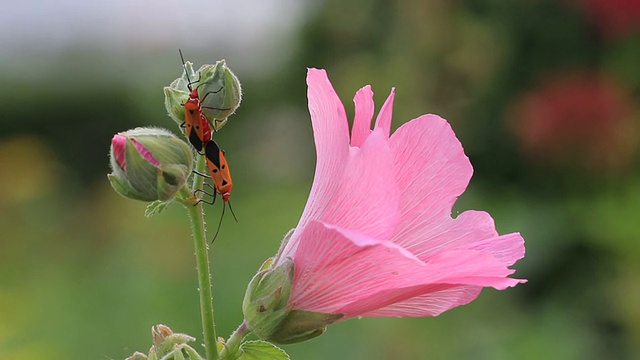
(577, 118)
(376, 237)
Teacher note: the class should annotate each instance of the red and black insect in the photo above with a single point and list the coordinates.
(195, 122)
(220, 176)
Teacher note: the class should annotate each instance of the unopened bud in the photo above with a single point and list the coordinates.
(218, 89)
(149, 164)
(265, 301)
(220, 93)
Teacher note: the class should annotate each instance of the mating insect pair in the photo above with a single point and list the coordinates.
(200, 136)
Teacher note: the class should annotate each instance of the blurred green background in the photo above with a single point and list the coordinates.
(544, 96)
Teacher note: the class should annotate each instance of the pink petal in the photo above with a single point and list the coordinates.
(435, 301)
(472, 230)
(507, 248)
(118, 143)
(448, 270)
(363, 101)
(363, 197)
(444, 232)
(471, 267)
(432, 171)
(344, 271)
(383, 121)
(335, 267)
(331, 135)
(146, 154)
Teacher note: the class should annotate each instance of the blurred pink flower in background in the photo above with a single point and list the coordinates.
(614, 18)
(580, 118)
(376, 237)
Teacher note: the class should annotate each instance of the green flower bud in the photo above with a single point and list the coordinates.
(218, 88)
(174, 100)
(149, 164)
(268, 314)
(222, 91)
(265, 301)
(177, 93)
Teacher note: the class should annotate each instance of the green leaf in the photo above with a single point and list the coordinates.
(261, 350)
(155, 207)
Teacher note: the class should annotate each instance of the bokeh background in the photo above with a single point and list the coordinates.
(544, 96)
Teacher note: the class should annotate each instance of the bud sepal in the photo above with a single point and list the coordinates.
(265, 301)
(222, 91)
(268, 314)
(300, 325)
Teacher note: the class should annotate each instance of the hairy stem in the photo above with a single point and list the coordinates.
(196, 217)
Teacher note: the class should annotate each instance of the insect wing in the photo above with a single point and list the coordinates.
(197, 132)
(218, 168)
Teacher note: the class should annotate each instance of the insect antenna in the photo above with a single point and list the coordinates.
(232, 213)
(185, 69)
(219, 223)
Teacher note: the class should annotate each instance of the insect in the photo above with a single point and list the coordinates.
(219, 169)
(221, 177)
(195, 122)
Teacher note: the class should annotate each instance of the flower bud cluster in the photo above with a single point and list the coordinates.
(168, 345)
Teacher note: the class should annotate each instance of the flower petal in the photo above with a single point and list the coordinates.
(118, 143)
(383, 121)
(435, 301)
(364, 108)
(471, 267)
(335, 267)
(363, 195)
(365, 198)
(472, 230)
(331, 136)
(146, 154)
(507, 248)
(444, 282)
(328, 117)
(446, 232)
(432, 171)
(344, 271)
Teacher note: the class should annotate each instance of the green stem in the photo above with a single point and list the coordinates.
(196, 217)
(198, 180)
(230, 351)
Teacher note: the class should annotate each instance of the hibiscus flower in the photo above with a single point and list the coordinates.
(376, 237)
